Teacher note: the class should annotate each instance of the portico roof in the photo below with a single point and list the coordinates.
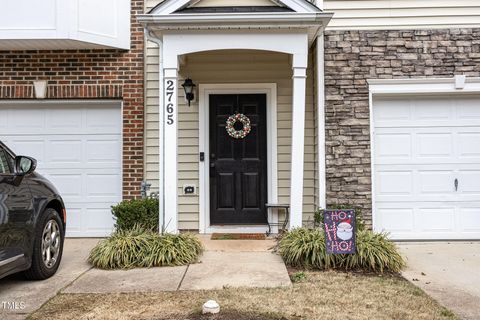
(289, 16)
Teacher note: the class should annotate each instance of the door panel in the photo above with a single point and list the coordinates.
(238, 168)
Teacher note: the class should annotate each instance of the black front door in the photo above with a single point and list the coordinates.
(238, 167)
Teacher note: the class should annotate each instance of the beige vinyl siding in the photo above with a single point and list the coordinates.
(151, 108)
(402, 14)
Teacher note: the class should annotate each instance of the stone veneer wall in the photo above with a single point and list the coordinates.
(352, 57)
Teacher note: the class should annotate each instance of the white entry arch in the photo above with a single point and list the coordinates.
(175, 44)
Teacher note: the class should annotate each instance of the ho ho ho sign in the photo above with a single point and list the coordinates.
(339, 226)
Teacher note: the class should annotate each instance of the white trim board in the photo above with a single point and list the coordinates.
(423, 85)
(270, 89)
(411, 87)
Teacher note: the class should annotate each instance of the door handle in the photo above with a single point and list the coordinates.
(456, 184)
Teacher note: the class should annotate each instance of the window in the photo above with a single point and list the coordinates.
(4, 162)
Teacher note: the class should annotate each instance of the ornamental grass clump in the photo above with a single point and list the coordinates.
(142, 248)
(374, 253)
(305, 248)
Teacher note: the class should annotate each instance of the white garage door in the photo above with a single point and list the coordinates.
(78, 147)
(427, 167)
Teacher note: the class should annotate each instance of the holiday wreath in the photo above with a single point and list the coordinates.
(238, 134)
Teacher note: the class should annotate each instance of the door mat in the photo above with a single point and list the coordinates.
(238, 236)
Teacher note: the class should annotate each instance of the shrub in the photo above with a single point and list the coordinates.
(374, 253)
(136, 212)
(140, 248)
(306, 248)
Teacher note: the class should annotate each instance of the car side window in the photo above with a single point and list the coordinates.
(5, 162)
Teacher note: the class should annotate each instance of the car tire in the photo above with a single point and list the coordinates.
(47, 246)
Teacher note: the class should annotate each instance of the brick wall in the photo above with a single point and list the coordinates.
(352, 57)
(89, 74)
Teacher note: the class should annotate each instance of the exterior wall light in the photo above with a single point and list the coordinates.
(189, 88)
(40, 89)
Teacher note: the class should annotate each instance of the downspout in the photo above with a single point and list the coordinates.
(321, 121)
(320, 84)
(161, 132)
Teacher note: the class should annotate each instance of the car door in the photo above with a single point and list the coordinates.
(16, 214)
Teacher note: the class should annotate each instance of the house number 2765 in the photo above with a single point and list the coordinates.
(169, 92)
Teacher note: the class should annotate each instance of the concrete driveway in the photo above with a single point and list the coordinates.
(447, 271)
(25, 296)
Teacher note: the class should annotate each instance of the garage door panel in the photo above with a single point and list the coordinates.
(468, 109)
(422, 145)
(394, 183)
(422, 109)
(435, 219)
(440, 182)
(65, 119)
(103, 187)
(63, 151)
(74, 219)
(434, 145)
(469, 144)
(79, 148)
(470, 219)
(393, 146)
(392, 110)
(469, 185)
(103, 151)
(96, 220)
(34, 147)
(69, 185)
(396, 219)
(103, 120)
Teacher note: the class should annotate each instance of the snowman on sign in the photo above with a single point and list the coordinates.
(345, 230)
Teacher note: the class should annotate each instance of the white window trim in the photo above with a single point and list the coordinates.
(270, 89)
(409, 87)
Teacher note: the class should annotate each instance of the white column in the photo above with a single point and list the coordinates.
(322, 191)
(161, 130)
(170, 148)
(298, 142)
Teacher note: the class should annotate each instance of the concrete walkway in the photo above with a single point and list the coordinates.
(225, 263)
(447, 271)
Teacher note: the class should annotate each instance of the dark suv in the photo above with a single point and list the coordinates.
(32, 219)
